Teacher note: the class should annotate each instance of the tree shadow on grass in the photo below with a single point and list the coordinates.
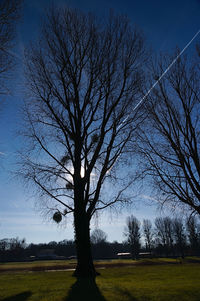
(85, 289)
(19, 297)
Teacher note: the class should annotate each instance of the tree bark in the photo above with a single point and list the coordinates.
(85, 267)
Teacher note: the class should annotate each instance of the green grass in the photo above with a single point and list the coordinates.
(68, 264)
(137, 283)
(36, 264)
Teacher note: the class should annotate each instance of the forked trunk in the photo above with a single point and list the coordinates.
(85, 267)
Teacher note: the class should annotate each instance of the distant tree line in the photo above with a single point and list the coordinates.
(12, 249)
(17, 250)
(168, 237)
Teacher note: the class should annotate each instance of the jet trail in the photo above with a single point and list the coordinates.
(163, 74)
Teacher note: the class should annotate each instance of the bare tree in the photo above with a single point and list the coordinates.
(193, 234)
(169, 144)
(100, 246)
(165, 233)
(98, 236)
(132, 232)
(148, 234)
(84, 78)
(179, 235)
(9, 14)
(160, 231)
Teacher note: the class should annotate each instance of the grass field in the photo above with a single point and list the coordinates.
(37, 265)
(70, 264)
(166, 282)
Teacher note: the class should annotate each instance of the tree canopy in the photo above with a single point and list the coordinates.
(84, 79)
(9, 14)
(169, 142)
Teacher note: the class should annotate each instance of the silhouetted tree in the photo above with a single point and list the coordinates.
(100, 246)
(12, 249)
(52, 244)
(193, 235)
(148, 234)
(84, 78)
(164, 233)
(132, 232)
(179, 236)
(9, 14)
(98, 236)
(169, 143)
(66, 248)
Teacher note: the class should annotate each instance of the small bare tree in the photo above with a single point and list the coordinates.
(169, 144)
(132, 232)
(179, 235)
(148, 234)
(165, 233)
(84, 78)
(9, 13)
(193, 234)
(98, 236)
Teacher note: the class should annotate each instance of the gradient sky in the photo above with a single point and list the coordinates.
(166, 25)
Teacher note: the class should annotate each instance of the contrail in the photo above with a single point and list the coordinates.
(163, 74)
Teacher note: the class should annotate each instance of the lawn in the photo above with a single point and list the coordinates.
(137, 283)
(70, 264)
(37, 265)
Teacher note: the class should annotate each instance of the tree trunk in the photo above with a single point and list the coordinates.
(85, 267)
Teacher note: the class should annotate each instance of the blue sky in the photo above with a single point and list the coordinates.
(166, 24)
